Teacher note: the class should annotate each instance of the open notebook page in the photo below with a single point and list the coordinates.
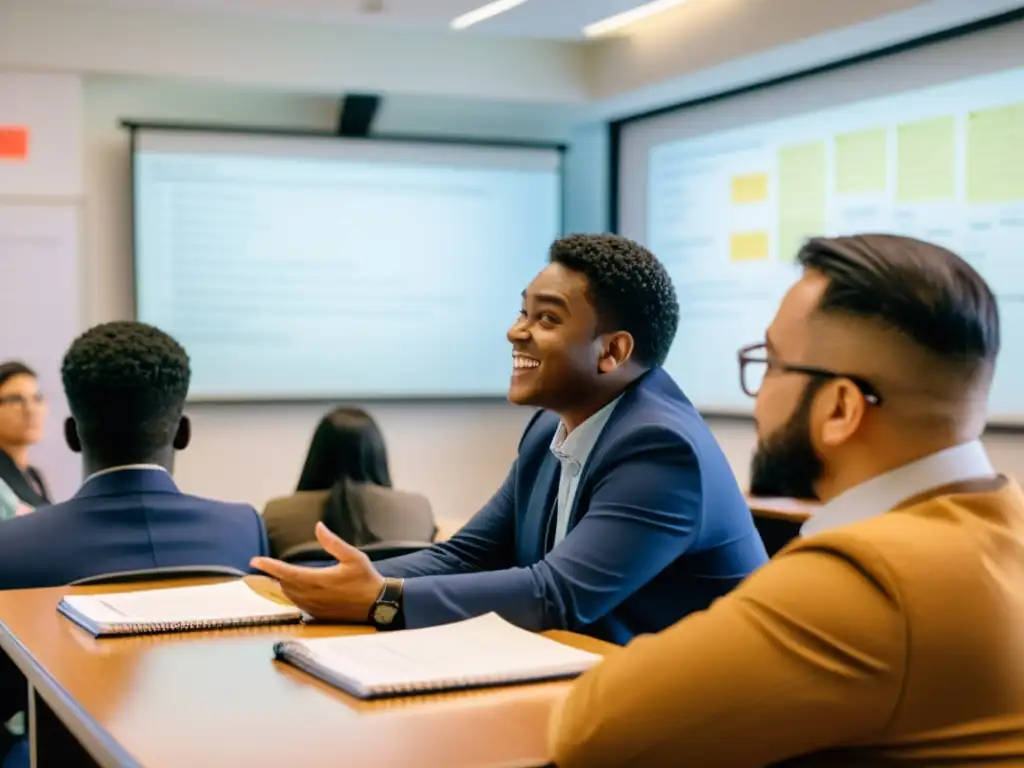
(480, 649)
(227, 601)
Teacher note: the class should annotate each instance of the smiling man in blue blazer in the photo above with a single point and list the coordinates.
(620, 514)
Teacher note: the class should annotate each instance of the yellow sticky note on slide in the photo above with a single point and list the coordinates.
(995, 155)
(749, 188)
(748, 246)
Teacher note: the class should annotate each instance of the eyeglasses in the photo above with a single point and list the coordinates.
(755, 365)
(23, 401)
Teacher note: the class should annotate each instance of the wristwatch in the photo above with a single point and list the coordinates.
(387, 609)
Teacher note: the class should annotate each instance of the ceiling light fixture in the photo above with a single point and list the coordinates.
(620, 20)
(484, 12)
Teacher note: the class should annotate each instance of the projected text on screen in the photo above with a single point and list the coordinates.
(728, 211)
(382, 271)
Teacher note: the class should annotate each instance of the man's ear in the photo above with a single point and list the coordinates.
(184, 434)
(618, 348)
(71, 435)
(843, 411)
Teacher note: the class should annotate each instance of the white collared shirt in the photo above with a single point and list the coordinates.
(961, 463)
(572, 449)
(110, 470)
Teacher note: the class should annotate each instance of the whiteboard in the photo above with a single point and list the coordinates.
(39, 317)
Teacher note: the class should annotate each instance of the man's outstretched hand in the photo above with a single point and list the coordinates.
(343, 592)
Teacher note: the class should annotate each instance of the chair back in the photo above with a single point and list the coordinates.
(382, 550)
(313, 555)
(161, 574)
(373, 512)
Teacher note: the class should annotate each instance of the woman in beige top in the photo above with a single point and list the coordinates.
(347, 445)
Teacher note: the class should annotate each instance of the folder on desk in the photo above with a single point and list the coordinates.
(480, 652)
(179, 609)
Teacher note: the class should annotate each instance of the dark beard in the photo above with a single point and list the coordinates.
(785, 463)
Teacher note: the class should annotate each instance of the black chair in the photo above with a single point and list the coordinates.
(315, 556)
(161, 574)
(382, 550)
(311, 555)
(775, 532)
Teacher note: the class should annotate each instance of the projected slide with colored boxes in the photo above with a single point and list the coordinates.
(729, 211)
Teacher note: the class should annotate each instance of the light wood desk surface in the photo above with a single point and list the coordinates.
(792, 510)
(218, 698)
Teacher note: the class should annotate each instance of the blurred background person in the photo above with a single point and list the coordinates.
(22, 420)
(346, 484)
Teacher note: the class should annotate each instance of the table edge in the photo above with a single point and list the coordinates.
(791, 516)
(93, 737)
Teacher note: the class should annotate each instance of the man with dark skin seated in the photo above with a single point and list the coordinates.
(620, 514)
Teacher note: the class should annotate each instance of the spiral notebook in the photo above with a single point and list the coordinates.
(179, 609)
(475, 653)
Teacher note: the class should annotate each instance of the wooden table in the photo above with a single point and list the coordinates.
(793, 510)
(219, 699)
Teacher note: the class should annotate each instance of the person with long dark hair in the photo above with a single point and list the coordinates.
(22, 419)
(344, 482)
(346, 443)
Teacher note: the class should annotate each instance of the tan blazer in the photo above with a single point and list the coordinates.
(898, 640)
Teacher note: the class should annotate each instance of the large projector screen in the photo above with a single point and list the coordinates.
(927, 142)
(324, 268)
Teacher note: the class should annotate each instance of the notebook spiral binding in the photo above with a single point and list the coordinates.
(287, 650)
(192, 626)
(450, 684)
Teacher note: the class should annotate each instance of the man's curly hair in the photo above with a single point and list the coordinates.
(629, 288)
(126, 384)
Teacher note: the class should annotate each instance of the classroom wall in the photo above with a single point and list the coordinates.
(289, 53)
(456, 453)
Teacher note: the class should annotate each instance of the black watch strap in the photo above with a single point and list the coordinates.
(386, 612)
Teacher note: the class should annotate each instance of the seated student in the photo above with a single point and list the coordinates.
(126, 384)
(22, 419)
(620, 514)
(345, 483)
(891, 633)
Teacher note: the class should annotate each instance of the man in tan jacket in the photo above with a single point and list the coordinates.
(892, 632)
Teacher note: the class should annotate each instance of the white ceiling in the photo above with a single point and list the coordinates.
(553, 19)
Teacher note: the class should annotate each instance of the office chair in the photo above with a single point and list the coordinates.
(313, 555)
(776, 533)
(161, 574)
(382, 550)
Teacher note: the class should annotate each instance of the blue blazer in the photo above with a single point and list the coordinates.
(658, 529)
(126, 520)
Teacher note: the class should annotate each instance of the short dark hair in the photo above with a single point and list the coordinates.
(126, 384)
(629, 287)
(11, 368)
(921, 290)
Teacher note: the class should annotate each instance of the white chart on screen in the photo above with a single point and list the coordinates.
(728, 211)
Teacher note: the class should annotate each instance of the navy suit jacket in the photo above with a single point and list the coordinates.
(658, 529)
(126, 520)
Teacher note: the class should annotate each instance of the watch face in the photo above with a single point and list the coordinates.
(384, 613)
